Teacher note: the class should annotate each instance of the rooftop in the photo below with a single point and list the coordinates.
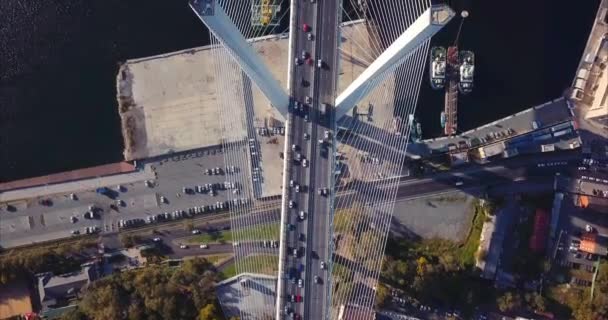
(52, 288)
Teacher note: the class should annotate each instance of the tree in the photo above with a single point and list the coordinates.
(508, 301)
(382, 294)
(209, 312)
(129, 240)
(535, 301)
(188, 225)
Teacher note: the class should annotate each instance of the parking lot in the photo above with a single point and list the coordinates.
(140, 202)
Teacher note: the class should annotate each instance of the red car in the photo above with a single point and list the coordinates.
(305, 27)
(298, 298)
(297, 317)
(309, 61)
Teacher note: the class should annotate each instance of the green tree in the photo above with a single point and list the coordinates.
(209, 312)
(129, 240)
(508, 301)
(382, 294)
(188, 225)
(74, 314)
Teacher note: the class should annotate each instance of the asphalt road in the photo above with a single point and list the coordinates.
(302, 86)
(316, 302)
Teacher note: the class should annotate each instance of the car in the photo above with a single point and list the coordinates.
(300, 283)
(236, 244)
(183, 246)
(163, 199)
(294, 147)
(297, 188)
(321, 141)
(304, 163)
(292, 298)
(309, 61)
(308, 99)
(323, 265)
(305, 27)
(302, 215)
(306, 118)
(302, 237)
(309, 37)
(326, 134)
(73, 219)
(157, 239)
(298, 156)
(291, 183)
(319, 63)
(292, 204)
(291, 227)
(75, 232)
(196, 231)
(306, 136)
(317, 279)
(295, 252)
(298, 298)
(304, 54)
(323, 192)
(298, 61)
(204, 246)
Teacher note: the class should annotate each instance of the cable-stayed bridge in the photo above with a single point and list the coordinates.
(328, 261)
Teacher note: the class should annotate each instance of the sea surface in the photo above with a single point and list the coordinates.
(59, 59)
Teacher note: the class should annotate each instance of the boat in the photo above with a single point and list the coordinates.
(437, 69)
(467, 71)
(442, 119)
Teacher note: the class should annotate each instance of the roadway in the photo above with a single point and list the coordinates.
(505, 171)
(301, 85)
(316, 302)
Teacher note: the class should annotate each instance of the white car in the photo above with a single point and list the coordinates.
(204, 246)
(196, 231)
(183, 246)
(291, 204)
(300, 283)
(304, 163)
(323, 265)
(302, 215)
(157, 239)
(326, 134)
(236, 244)
(163, 199)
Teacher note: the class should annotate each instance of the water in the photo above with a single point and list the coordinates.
(59, 58)
(526, 54)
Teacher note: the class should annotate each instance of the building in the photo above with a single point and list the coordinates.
(590, 244)
(538, 239)
(56, 291)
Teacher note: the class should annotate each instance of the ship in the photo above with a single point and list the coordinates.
(467, 71)
(442, 119)
(437, 68)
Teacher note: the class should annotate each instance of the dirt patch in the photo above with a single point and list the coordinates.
(14, 299)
